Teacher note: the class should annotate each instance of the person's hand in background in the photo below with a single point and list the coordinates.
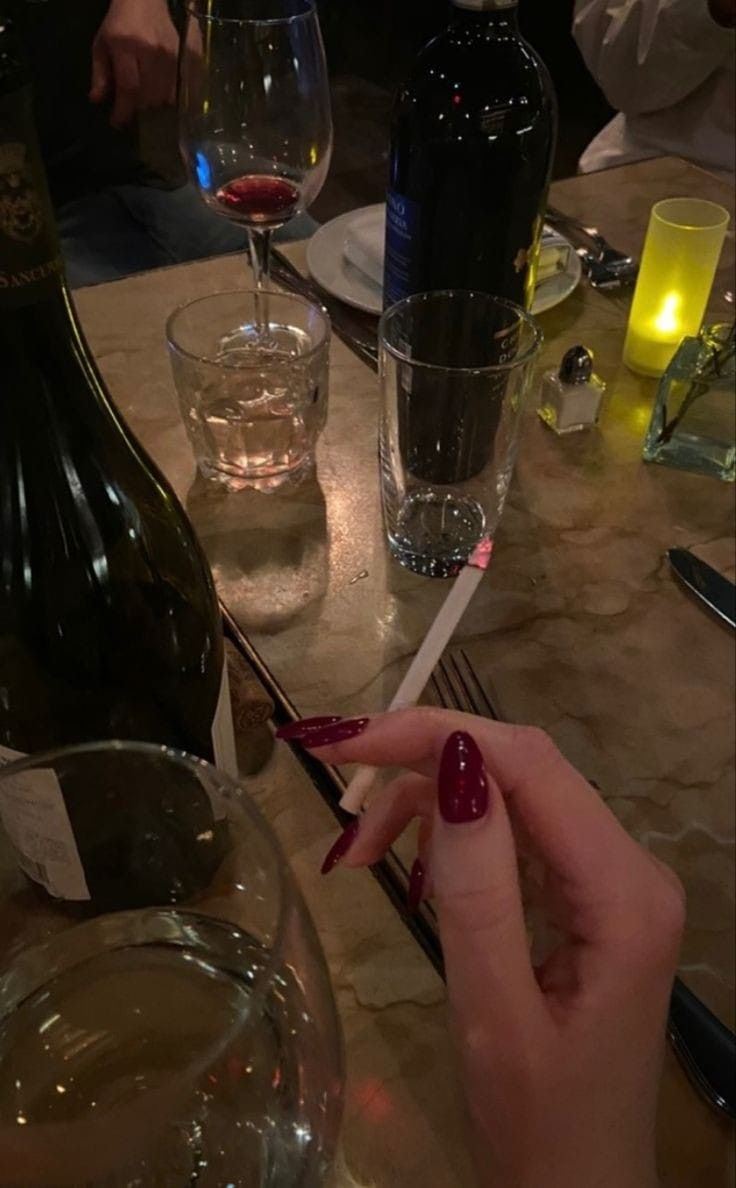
(560, 1064)
(134, 58)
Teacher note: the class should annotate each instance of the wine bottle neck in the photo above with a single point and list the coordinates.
(485, 6)
(484, 13)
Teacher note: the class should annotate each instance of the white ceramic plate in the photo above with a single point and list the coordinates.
(337, 276)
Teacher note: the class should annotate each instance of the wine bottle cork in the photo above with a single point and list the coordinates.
(251, 703)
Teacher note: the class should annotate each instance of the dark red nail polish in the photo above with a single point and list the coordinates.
(323, 736)
(298, 729)
(416, 885)
(463, 785)
(340, 847)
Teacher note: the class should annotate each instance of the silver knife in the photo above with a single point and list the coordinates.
(716, 591)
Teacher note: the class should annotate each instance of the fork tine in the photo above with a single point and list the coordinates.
(444, 687)
(468, 692)
(481, 698)
(456, 686)
(460, 692)
(437, 690)
(454, 695)
(465, 695)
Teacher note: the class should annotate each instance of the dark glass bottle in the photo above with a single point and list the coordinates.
(109, 622)
(472, 143)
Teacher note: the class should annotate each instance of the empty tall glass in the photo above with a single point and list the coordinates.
(454, 370)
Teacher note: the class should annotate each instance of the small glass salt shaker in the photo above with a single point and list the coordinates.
(572, 396)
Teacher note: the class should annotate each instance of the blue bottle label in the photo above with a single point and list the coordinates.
(400, 278)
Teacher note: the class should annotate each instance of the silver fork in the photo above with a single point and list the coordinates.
(456, 686)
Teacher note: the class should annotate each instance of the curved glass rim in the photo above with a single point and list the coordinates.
(193, 8)
(159, 751)
(489, 369)
(196, 358)
(720, 214)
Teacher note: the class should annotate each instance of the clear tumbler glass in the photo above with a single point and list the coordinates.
(253, 416)
(166, 1015)
(455, 369)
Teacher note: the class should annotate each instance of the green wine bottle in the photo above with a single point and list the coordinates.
(109, 621)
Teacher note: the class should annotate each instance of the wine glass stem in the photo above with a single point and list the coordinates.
(259, 250)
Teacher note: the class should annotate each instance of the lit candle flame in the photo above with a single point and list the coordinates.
(667, 321)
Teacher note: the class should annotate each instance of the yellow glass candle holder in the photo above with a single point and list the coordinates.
(681, 251)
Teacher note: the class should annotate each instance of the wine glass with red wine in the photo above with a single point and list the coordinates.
(255, 119)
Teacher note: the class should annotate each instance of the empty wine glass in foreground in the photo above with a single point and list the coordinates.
(254, 112)
(165, 1011)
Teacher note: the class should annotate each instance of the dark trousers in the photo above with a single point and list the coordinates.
(132, 228)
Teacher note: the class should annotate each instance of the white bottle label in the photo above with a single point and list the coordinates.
(223, 735)
(34, 814)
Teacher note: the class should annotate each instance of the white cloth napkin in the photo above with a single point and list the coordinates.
(363, 248)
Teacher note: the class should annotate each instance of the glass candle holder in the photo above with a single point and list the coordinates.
(681, 251)
(693, 424)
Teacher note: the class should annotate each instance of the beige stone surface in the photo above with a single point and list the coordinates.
(579, 625)
(403, 1123)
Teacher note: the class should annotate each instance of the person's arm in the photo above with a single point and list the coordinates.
(560, 1063)
(647, 55)
(134, 58)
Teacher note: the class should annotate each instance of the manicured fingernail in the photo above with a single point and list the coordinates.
(340, 848)
(416, 885)
(322, 736)
(463, 786)
(304, 726)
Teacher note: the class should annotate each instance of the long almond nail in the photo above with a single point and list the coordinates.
(336, 732)
(340, 847)
(416, 885)
(463, 786)
(304, 726)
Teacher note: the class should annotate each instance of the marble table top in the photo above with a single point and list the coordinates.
(578, 626)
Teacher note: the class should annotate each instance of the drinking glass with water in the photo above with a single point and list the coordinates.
(253, 407)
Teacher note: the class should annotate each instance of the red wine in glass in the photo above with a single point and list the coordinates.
(259, 199)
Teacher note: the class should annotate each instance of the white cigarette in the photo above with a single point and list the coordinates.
(423, 664)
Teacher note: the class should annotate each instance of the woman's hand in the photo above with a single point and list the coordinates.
(561, 1063)
(134, 58)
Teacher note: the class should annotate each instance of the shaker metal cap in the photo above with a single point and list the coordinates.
(576, 366)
